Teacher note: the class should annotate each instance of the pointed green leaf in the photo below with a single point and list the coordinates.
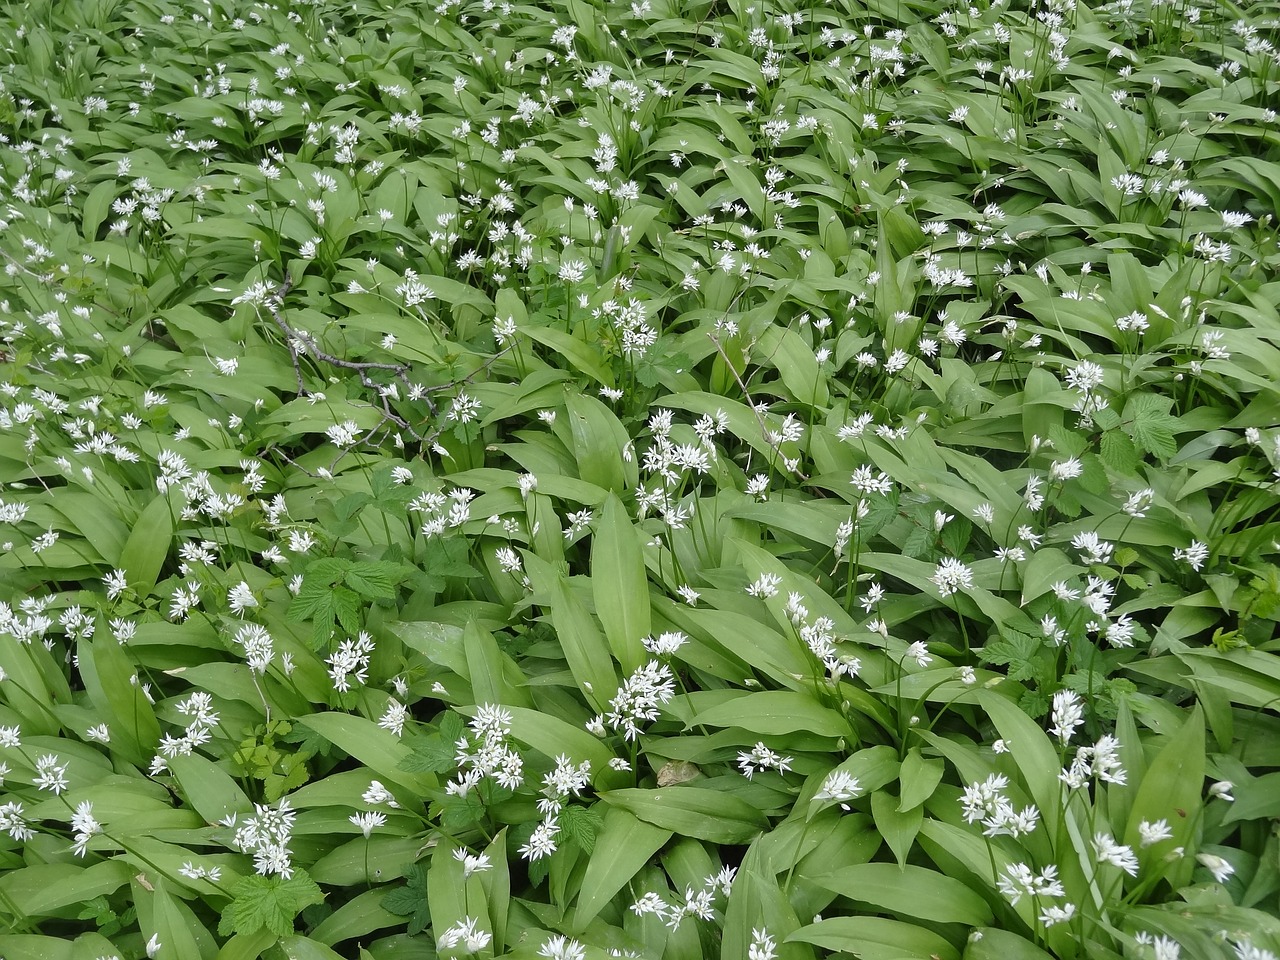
(620, 585)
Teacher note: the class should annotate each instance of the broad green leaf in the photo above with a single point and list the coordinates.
(583, 644)
(1031, 750)
(1171, 790)
(692, 812)
(112, 682)
(772, 712)
(208, 788)
(623, 846)
(148, 545)
(378, 749)
(898, 828)
(991, 943)
(920, 777)
(874, 938)
(909, 891)
(45, 888)
(620, 585)
(168, 920)
(495, 678)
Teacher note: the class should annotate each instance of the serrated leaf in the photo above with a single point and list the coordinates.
(313, 602)
(581, 825)
(375, 580)
(1150, 424)
(411, 900)
(268, 902)
(1118, 452)
(347, 606)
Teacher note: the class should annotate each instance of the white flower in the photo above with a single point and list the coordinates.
(85, 826)
(665, 644)
(240, 598)
(919, 653)
(1221, 790)
(394, 717)
(377, 793)
(115, 583)
(1068, 713)
(951, 576)
(542, 843)
(1153, 833)
(466, 934)
(1065, 469)
(1194, 555)
(1116, 854)
(1220, 868)
(840, 786)
(562, 948)
(343, 434)
(765, 585)
(50, 775)
(762, 946)
(1092, 549)
(368, 821)
(471, 863)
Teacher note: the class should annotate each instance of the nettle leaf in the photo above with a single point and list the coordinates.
(327, 570)
(581, 825)
(445, 557)
(1106, 418)
(411, 900)
(314, 601)
(1015, 650)
(436, 753)
(1067, 443)
(377, 579)
(269, 903)
(1118, 452)
(347, 606)
(1148, 421)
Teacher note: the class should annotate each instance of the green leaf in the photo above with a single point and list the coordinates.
(581, 825)
(1171, 790)
(1031, 750)
(1119, 453)
(444, 557)
(898, 828)
(623, 846)
(990, 943)
(347, 607)
(148, 545)
(553, 736)
(1150, 424)
(692, 812)
(909, 891)
(268, 902)
(437, 752)
(376, 580)
(411, 900)
(584, 646)
(775, 712)
(620, 585)
(874, 938)
(378, 749)
(919, 778)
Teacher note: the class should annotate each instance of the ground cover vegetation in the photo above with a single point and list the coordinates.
(737, 479)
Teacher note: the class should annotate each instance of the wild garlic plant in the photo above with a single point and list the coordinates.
(766, 480)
